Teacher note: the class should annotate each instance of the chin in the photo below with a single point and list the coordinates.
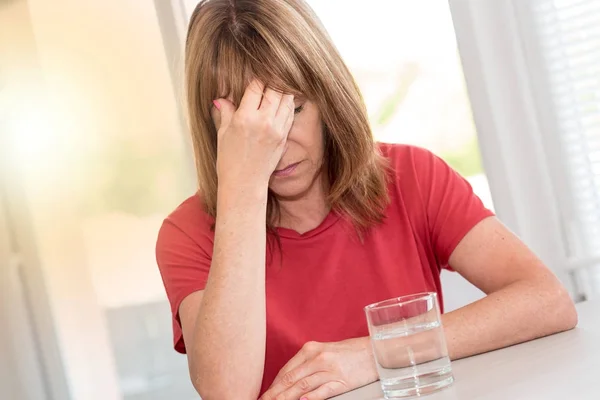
(290, 188)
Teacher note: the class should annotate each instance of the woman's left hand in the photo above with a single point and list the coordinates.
(323, 370)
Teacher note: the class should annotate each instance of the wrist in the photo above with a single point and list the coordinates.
(367, 348)
(251, 197)
(247, 179)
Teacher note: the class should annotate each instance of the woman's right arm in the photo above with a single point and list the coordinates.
(224, 326)
(225, 331)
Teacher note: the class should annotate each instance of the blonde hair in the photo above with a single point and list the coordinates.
(282, 43)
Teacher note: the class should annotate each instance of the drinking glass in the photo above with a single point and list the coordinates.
(409, 345)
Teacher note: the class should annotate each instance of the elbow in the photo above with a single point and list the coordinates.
(565, 311)
(570, 318)
(219, 388)
(220, 394)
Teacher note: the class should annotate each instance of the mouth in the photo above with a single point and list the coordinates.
(286, 171)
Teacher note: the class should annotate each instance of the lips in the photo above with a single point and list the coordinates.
(287, 170)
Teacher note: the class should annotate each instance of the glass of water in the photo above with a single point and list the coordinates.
(409, 345)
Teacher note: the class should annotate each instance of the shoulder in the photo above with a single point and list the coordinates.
(403, 155)
(188, 223)
(410, 164)
(190, 213)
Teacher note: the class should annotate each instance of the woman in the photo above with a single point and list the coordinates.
(301, 220)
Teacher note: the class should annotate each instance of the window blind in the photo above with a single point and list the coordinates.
(569, 36)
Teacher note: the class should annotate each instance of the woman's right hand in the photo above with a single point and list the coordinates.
(252, 139)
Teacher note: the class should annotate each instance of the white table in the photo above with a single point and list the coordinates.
(564, 366)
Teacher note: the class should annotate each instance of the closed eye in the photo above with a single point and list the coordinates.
(298, 109)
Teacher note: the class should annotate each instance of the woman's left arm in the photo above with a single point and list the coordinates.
(524, 299)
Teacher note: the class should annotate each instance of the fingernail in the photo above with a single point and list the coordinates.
(217, 105)
(304, 398)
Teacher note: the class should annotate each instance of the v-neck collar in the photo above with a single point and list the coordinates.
(331, 218)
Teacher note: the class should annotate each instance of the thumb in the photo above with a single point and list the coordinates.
(226, 109)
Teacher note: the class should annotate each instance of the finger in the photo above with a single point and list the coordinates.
(288, 126)
(252, 96)
(327, 390)
(285, 112)
(308, 351)
(288, 379)
(300, 388)
(223, 111)
(270, 102)
(294, 362)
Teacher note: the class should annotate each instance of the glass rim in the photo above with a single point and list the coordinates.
(404, 300)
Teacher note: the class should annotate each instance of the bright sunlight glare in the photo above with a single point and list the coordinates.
(38, 144)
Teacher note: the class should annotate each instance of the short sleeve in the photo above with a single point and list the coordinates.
(452, 208)
(183, 257)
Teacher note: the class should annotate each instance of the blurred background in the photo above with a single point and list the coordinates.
(94, 154)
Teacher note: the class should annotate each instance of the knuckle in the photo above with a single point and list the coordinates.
(311, 347)
(266, 100)
(288, 379)
(321, 357)
(239, 119)
(324, 357)
(266, 125)
(304, 384)
(282, 396)
(329, 390)
(272, 134)
(252, 120)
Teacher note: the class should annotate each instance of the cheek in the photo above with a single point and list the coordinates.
(308, 136)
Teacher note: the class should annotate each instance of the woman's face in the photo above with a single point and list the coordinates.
(300, 168)
(301, 165)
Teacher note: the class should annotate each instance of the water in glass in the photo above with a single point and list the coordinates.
(409, 346)
(413, 360)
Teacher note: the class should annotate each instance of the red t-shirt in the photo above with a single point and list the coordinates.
(328, 275)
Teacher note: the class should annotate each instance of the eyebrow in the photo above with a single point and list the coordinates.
(300, 98)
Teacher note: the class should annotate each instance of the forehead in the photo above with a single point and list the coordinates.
(235, 69)
(232, 87)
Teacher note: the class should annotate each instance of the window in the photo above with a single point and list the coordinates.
(568, 33)
(532, 72)
(103, 161)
